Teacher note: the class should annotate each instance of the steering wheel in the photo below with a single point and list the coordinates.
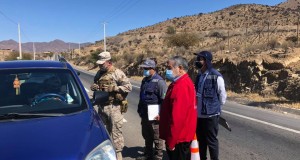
(48, 96)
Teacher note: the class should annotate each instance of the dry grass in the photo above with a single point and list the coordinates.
(254, 97)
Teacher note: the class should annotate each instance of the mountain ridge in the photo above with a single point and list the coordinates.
(55, 46)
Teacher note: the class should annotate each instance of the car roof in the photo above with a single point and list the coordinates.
(21, 64)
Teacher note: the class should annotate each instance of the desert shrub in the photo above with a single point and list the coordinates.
(215, 34)
(273, 43)
(286, 45)
(185, 40)
(171, 30)
(93, 58)
(129, 57)
(139, 58)
(27, 56)
(256, 47)
(292, 39)
(15, 55)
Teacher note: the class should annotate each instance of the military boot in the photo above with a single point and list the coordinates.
(119, 155)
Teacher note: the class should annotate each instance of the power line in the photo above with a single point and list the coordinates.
(14, 22)
(116, 9)
(121, 8)
(121, 11)
(5, 16)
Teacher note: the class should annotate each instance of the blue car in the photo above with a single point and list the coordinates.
(45, 113)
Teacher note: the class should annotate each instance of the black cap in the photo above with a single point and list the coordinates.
(205, 54)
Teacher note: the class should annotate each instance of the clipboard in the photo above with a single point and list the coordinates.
(153, 111)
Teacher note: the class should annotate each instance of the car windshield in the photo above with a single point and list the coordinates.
(39, 91)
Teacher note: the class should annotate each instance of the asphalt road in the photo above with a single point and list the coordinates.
(257, 134)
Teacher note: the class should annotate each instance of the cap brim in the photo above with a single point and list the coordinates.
(144, 66)
(199, 55)
(100, 61)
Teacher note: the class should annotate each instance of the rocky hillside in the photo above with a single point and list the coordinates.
(292, 4)
(255, 46)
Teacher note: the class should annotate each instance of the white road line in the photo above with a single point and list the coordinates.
(263, 122)
(136, 86)
(245, 117)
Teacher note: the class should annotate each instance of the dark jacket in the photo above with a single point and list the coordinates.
(149, 94)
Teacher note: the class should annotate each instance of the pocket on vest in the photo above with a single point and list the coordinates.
(210, 108)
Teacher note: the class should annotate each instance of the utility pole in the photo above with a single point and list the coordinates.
(104, 43)
(246, 35)
(268, 31)
(33, 48)
(69, 51)
(79, 49)
(228, 39)
(20, 46)
(298, 30)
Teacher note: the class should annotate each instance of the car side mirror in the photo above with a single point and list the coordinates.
(100, 97)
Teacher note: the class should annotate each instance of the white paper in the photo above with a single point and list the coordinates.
(153, 111)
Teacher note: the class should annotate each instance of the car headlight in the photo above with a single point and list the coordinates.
(104, 151)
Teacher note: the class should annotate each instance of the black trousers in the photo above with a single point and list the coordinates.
(207, 132)
(181, 152)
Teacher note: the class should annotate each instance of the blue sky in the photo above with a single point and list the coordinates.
(81, 21)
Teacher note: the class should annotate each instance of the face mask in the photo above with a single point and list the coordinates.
(198, 65)
(146, 73)
(169, 75)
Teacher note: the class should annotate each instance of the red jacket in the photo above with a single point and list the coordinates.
(178, 115)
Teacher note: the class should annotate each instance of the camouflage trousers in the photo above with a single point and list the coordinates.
(113, 121)
(150, 132)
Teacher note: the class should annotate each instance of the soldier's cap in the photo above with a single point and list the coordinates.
(148, 63)
(103, 56)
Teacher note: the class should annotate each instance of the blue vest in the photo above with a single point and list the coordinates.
(149, 93)
(210, 99)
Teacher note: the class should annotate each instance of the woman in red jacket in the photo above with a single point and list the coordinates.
(178, 115)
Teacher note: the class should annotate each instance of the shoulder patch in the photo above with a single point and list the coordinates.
(155, 80)
(212, 77)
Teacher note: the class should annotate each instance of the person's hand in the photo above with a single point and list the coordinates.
(157, 118)
(112, 88)
(94, 87)
(170, 149)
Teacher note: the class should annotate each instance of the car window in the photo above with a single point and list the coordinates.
(39, 91)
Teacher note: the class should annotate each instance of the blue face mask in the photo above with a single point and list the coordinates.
(169, 75)
(146, 73)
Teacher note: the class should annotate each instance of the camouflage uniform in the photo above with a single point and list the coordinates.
(111, 112)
